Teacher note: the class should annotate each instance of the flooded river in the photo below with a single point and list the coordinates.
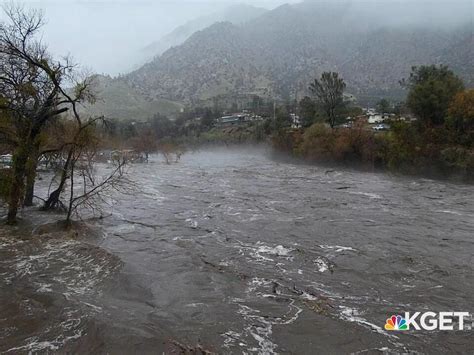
(233, 252)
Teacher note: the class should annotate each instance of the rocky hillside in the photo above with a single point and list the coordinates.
(280, 51)
(119, 100)
(237, 14)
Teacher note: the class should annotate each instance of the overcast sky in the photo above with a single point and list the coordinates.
(105, 35)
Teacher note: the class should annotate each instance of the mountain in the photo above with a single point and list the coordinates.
(236, 14)
(372, 45)
(118, 99)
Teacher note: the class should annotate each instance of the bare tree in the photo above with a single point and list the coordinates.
(329, 91)
(79, 141)
(145, 143)
(94, 192)
(170, 150)
(85, 190)
(32, 91)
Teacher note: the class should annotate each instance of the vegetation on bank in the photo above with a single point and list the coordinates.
(40, 123)
(440, 140)
(430, 134)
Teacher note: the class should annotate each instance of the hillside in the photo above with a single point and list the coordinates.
(236, 14)
(117, 99)
(278, 53)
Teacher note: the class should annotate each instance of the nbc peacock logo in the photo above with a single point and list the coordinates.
(396, 323)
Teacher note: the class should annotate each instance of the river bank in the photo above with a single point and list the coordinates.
(401, 152)
(405, 150)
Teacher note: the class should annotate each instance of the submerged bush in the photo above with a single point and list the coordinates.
(321, 143)
(287, 140)
(317, 143)
(459, 158)
(408, 147)
(404, 147)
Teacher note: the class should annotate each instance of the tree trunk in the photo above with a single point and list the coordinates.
(30, 187)
(332, 118)
(71, 197)
(53, 199)
(31, 167)
(20, 158)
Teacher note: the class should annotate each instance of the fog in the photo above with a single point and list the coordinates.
(108, 36)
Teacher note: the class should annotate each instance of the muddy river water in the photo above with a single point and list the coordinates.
(231, 251)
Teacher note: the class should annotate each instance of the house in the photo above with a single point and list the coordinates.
(375, 118)
(370, 111)
(230, 120)
(295, 120)
(6, 160)
(378, 118)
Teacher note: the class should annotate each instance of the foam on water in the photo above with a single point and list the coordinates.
(259, 326)
(353, 315)
(263, 252)
(321, 264)
(337, 248)
(366, 194)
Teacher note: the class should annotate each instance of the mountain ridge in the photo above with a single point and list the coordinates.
(238, 14)
(278, 53)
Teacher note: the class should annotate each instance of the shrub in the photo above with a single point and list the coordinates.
(287, 140)
(355, 144)
(459, 158)
(408, 147)
(358, 144)
(404, 146)
(460, 120)
(318, 143)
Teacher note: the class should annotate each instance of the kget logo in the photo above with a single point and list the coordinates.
(396, 323)
(429, 321)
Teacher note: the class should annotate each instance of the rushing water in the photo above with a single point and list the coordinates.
(232, 252)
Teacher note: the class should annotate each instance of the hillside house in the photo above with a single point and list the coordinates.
(375, 118)
(378, 118)
(230, 120)
(295, 120)
(6, 160)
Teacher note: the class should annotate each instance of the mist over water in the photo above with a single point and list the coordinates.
(240, 253)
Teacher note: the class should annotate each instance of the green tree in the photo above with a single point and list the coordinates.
(431, 90)
(329, 90)
(460, 117)
(307, 111)
(282, 119)
(384, 106)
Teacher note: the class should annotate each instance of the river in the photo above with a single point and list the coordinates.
(231, 251)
